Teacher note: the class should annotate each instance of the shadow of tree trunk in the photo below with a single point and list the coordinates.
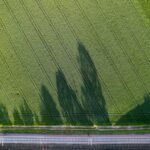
(94, 102)
(72, 110)
(27, 115)
(139, 115)
(17, 118)
(4, 117)
(49, 112)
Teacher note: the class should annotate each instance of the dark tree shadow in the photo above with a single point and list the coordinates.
(139, 115)
(36, 119)
(4, 117)
(72, 110)
(94, 102)
(49, 112)
(17, 118)
(26, 114)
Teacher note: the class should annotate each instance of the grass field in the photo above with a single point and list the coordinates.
(74, 62)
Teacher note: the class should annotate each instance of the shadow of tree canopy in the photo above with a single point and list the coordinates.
(72, 110)
(27, 115)
(49, 112)
(94, 102)
(4, 117)
(17, 118)
(36, 119)
(139, 115)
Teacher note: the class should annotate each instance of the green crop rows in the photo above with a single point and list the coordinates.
(74, 62)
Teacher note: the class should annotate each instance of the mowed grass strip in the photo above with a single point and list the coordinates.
(73, 62)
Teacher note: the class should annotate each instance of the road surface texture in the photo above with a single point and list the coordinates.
(73, 142)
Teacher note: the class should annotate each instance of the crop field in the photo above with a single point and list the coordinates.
(74, 62)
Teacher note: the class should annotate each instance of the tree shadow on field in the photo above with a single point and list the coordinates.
(23, 118)
(72, 110)
(94, 102)
(139, 115)
(17, 118)
(27, 115)
(4, 117)
(49, 112)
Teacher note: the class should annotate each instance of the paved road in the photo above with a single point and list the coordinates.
(73, 139)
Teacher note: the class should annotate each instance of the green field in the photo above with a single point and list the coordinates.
(74, 62)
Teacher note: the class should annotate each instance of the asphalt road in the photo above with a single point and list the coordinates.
(73, 139)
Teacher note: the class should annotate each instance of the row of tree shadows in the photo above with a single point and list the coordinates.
(91, 109)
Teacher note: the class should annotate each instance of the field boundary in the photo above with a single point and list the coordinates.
(64, 128)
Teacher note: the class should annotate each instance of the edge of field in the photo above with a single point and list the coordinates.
(68, 130)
